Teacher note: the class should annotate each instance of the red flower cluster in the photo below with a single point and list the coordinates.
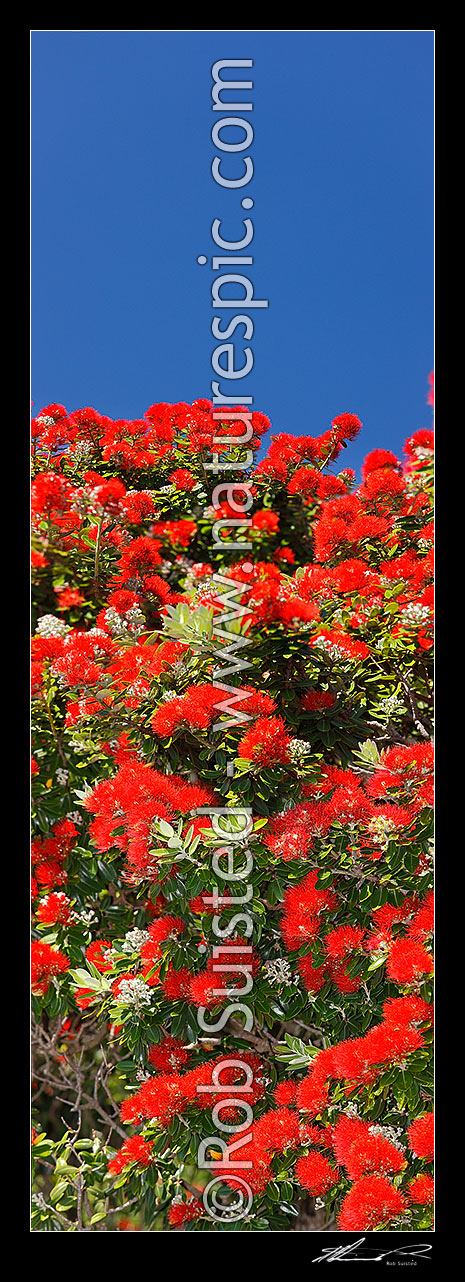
(127, 805)
(134, 1149)
(46, 964)
(141, 721)
(371, 1202)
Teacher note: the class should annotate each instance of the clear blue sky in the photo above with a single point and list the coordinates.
(123, 201)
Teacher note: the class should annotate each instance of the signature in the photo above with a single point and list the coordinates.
(357, 1251)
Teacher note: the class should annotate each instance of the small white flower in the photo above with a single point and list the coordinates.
(416, 481)
(87, 918)
(415, 614)
(39, 1201)
(129, 624)
(133, 941)
(381, 829)
(299, 749)
(83, 452)
(134, 992)
(332, 650)
(278, 971)
(391, 704)
(391, 1133)
(75, 816)
(50, 626)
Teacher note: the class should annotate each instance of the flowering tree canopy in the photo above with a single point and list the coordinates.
(232, 808)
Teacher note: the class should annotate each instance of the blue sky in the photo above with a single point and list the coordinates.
(123, 200)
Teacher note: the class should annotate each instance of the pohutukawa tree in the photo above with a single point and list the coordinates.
(232, 848)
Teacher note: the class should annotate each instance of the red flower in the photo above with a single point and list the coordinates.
(371, 1202)
(182, 1210)
(266, 743)
(277, 1131)
(159, 1097)
(182, 479)
(318, 701)
(422, 441)
(46, 964)
(421, 1190)
(195, 708)
(408, 962)
(314, 977)
(96, 953)
(363, 1149)
(347, 426)
(54, 908)
(285, 1094)
(177, 983)
(38, 560)
(421, 1136)
(69, 597)
(169, 1054)
(379, 459)
(344, 940)
(315, 1174)
(265, 522)
(134, 1149)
